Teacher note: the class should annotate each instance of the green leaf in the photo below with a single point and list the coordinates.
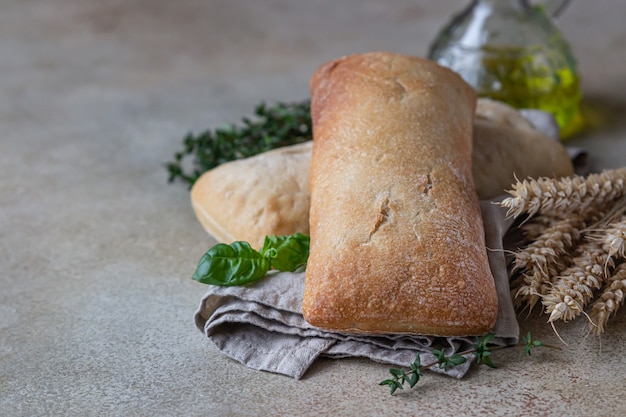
(440, 355)
(486, 338)
(457, 359)
(530, 344)
(393, 385)
(417, 362)
(398, 385)
(486, 359)
(234, 264)
(481, 350)
(286, 253)
(448, 362)
(397, 373)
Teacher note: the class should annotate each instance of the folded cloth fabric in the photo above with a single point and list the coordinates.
(261, 325)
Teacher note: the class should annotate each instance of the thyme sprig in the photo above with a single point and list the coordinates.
(481, 350)
(271, 127)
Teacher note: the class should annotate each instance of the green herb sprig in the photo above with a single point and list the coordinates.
(481, 351)
(271, 127)
(239, 264)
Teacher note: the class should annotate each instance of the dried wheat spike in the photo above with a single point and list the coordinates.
(611, 298)
(560, 197)
(530, 288)
(543, 259)
(536, 226)
(573, 289)
(614, 239)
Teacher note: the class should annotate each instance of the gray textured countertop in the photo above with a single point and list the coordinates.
(96, 300)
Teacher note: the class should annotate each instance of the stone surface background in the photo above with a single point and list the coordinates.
(96, 300)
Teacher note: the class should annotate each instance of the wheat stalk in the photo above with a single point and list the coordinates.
(566, 195)
(609, 300)
(575, 230)
(573, 289)
(543, 258)
(614, 241)
(536, 226)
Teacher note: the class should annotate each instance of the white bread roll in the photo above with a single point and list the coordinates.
(248, 199)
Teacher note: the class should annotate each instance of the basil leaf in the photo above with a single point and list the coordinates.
(286, 253)
(234, 264)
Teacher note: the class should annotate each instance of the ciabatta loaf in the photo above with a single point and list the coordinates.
(397, 241)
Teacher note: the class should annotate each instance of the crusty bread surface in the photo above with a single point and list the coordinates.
(248, 199)
(397, 240)
(507, 147)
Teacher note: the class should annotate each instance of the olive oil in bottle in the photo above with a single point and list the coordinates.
(512, 52)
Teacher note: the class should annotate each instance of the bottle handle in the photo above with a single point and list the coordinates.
(554, 8)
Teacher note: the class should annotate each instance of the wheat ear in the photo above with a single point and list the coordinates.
(614, 241)
(566, 195)
(609, 300)
(573, 289)
(543, 259)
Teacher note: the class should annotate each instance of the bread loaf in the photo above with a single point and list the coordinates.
(267, 194)
(397, 241)
(507, 147)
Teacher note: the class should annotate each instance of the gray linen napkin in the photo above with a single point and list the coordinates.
(262, 327)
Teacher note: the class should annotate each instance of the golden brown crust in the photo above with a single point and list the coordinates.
(397, 241)
(246, 200)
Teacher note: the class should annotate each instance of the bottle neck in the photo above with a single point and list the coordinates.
(500, 5)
